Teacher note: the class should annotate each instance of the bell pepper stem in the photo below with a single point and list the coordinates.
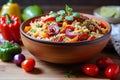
(7, 44)
(8, 21)
(10, 1)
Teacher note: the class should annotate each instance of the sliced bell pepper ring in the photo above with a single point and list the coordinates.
(49, 19)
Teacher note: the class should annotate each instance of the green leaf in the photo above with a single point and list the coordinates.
(53, 14)
(75, 14)
(68, 9)
(59, 18)
(61, 12)
(69, 18)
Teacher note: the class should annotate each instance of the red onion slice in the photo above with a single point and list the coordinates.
(53, 29)
(70, 34)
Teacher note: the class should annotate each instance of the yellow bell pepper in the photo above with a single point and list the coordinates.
(11, 8)
(73, 39)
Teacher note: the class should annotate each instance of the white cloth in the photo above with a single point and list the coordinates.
(115, 37)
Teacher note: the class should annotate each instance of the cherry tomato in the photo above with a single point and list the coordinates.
(103, 62)
(102, 25)
(90, 69)
(112, 71)
(28, 64)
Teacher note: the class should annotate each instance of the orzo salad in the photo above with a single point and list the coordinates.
(65, 26)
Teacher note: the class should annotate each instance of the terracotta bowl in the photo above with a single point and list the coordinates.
(64, 53)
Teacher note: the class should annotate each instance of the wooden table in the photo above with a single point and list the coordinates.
(48, 71)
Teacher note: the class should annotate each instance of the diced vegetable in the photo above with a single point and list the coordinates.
(75, 39)
(66, 26)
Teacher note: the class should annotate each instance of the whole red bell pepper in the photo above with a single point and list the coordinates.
(10, 27)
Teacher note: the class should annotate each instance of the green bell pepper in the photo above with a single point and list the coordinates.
(31, 11)
(8, 50)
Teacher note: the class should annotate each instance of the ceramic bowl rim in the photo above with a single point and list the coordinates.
(63, 43)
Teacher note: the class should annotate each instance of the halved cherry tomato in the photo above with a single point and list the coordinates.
(28, 64)
(112, 71)
(90, 69)
(102, 25)
(103, 62)
(49, 19)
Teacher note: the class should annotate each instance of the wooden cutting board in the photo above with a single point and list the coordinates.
(48, 71)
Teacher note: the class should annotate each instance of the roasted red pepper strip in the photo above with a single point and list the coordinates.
(10, 27)
(49, 19)
(91, 38)
(60, 39)
(67, 27)
(102, 25)
(83, 36)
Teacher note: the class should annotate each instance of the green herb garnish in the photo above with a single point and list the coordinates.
(61, 12)
(69, 18)
(33, 30)
(68, 9)
(75, 14)
(66, 14)
(53, 14)
(59, 18)
(37, 25)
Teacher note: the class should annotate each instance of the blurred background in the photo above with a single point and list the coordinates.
(79, 5)
(62, 2)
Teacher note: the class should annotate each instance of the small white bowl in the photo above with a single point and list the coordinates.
(108, 19)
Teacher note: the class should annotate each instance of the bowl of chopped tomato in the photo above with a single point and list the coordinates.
(65, 36)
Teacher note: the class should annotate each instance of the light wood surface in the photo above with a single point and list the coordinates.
(48, 71)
